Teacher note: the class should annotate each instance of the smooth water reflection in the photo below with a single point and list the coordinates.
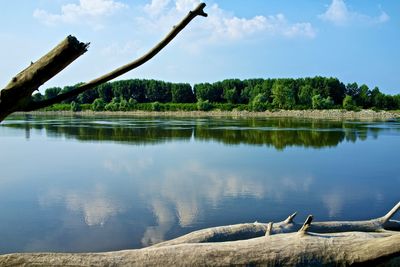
(97, 184)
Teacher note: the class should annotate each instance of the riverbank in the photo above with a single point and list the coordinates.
(331, 114)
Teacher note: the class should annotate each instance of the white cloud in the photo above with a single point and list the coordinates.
(338, 13)
(334, 203)
(156, 6)
(221, 25)
(86, 10)
(95, 206)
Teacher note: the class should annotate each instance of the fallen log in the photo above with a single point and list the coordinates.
(256, 229)
(292, 249)
(301, 248)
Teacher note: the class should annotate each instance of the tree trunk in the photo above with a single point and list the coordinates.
(371, 244)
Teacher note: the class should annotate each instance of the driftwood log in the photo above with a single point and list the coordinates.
(372, 242)
(17, 95)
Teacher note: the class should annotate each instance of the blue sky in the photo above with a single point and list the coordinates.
(353, 40)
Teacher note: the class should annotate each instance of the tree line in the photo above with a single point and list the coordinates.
(251, 94)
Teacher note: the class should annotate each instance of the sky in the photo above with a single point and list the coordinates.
(353, 40)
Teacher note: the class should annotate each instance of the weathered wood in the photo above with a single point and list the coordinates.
(293, 249)
(302, 248)
(253, 230)
(17, 96)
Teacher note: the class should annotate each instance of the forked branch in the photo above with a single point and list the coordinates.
(17, 96)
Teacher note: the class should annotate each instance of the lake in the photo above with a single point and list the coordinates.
(79, 184)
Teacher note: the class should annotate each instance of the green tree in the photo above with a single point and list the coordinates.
(124, 105)
(317, 102)
(37, 97)
(105, 92)
(113, 105)
(75, 106)
(204, 105)
(259, 103)
(52, 92)
(182, 93)
(207, 91)
(348, 103)
(156, 106)
(232, 90)
(283, 95)
(364, 97)
(305, 95)
(98, 105)
(158, 91)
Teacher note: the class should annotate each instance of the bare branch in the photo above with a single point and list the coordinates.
(391, 213)
(306, 224)
(198, 11)
(19, 91)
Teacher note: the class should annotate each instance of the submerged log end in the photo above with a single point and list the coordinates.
(306, 225)
(291, 218)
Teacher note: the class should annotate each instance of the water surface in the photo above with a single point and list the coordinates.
(78, 184)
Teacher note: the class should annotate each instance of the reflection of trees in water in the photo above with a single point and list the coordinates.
(276, 138)
(279, 133)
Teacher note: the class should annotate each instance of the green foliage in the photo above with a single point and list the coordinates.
(348, 103)
(259, 103)
(283, 95)
(75, 107)
(124, 105)
(98, 105)
(58, 107)
(204, 105)
(251, 94)
(182, 93)
(305, 95)
(156, 106)
(37, 97)
(158, 91)
(105, 92)
(206, 91)
(321, 103)
(52, 92)
(113, 105)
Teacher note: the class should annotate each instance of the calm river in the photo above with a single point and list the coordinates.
(78, 184)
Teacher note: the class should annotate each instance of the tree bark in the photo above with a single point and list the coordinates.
(17, 95)
(256, 229)
(292, 249)
(364, 243)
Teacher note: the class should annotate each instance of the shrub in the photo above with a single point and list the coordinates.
(318, 102)
(123, 105)
(348, 103)
(112, 106)
(259, 103)
(204, 105)
(98, 105)
(156, 106)
(75, 106)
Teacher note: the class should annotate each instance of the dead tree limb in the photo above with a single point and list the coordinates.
(301, 248)
(292, 249)
(17, 95)
(253, 230)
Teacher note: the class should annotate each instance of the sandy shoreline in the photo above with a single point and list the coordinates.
(333, 114)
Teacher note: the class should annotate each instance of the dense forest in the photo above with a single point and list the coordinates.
(251, 94)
